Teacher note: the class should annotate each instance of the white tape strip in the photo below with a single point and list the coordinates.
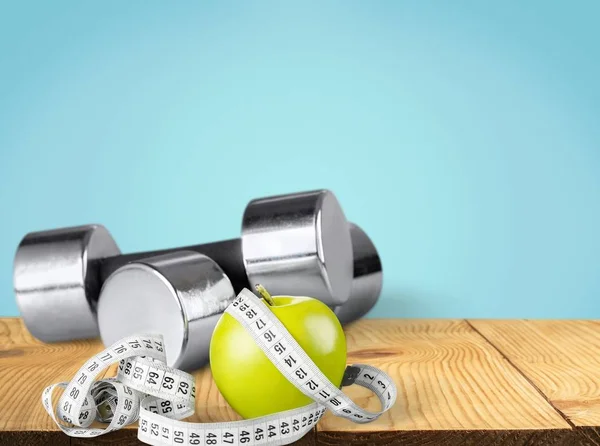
(145, 388)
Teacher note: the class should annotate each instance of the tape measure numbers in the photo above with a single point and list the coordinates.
(146, 389)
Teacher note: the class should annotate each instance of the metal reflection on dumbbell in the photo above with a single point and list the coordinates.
(299, 244)
(179, 295)
(368, 278)
(55, 281)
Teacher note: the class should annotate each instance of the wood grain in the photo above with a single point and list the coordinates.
(27, 366)
(561, 359)
(555, 437)
(448, 378)
(455, 387)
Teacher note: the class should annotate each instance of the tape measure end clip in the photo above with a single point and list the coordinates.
(350, 375)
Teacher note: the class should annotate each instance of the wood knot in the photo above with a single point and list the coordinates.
(374, 353)
(11, 353)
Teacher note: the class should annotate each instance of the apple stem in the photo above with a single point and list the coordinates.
(265, 294)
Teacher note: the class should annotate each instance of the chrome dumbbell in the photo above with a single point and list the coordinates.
(179, 295)
(296, 244)
(182, 294)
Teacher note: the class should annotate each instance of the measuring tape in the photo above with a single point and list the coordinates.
(146, 389)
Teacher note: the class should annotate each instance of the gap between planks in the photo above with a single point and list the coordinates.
(529, 380)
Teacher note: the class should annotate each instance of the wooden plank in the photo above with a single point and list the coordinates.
(454, 387)
(128, 437)
(27, 366)
(28, 438)
(556, 437)
(562, 359)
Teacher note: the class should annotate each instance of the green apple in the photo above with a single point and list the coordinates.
(245, 376)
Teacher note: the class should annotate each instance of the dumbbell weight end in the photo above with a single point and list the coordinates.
(56, 284)
(368, 278)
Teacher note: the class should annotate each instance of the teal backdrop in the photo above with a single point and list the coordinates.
(463, 136)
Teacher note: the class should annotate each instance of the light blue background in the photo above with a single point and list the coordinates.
(464, 137)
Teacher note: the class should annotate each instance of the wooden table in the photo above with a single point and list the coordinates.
(463, 382)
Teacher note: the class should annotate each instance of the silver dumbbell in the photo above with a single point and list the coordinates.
(293, 244)
(179, 295)
(182, 294)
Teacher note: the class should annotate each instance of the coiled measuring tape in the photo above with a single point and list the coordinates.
(146, 389)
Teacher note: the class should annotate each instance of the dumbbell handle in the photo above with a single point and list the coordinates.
(227, 254)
